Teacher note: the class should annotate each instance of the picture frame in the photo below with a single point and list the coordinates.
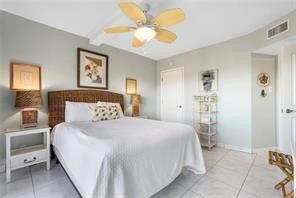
(25, 77)
(208, 80)
(92, 69)
(130, 86)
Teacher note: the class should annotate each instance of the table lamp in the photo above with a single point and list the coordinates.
(28, 102)
(136, 100)
(25, 79)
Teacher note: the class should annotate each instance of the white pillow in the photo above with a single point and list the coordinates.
(78, 111)
(119, 109)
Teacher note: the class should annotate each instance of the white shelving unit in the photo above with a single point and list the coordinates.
(205, 119)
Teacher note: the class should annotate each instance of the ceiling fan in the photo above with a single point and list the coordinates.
(146, 26)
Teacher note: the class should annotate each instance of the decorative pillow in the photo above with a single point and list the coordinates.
(101, 113)
(119, 109)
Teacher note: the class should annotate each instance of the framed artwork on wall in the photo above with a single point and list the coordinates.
(263, 79)
(92, 69)
(208, 80)
(25, 77)
(130, 86)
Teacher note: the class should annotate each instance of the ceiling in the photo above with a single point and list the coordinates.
(208, 21)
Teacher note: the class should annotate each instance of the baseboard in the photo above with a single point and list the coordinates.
(265, 149)
(247, 150)
(234, 148)
(2, 166)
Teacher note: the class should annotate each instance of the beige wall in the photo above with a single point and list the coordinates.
(263, 109)
(55, 51)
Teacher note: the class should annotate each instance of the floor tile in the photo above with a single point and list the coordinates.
(242, 155)
(187, 179)
(60, 189)
(212, 188)
(246, 195)
(42, 177)
(20, 185)
(232, 178)
(213, 156)
(190, 194)
(262, 188)
(272, 173)
(233, 163)
(173, 190)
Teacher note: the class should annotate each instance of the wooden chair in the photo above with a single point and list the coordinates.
(285, 163)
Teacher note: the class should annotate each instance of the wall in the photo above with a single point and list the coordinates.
(55, 50)
(233, 59)
(234, 86)
(263, 109)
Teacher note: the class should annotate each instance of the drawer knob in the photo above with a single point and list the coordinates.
(26, 161)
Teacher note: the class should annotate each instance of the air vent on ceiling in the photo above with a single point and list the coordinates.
(275, 31)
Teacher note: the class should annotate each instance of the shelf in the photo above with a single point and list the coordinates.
(213, 101)
(28, 149)
(205, 111)
(206, 144)
(206, 133)
(207, 123)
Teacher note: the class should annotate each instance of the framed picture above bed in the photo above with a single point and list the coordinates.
(92, 69)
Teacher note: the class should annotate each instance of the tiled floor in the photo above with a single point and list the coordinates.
(230, 174)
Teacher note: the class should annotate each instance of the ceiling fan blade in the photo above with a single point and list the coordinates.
(169, 17)
(165, 36)
(137, 43)
(133, 11)
(118, 29)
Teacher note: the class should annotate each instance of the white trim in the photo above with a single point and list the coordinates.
(245, 149)
(161, 74)
(264, 150)
(2, 165)
(235, 148)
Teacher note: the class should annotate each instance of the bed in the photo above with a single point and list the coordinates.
(122, 158)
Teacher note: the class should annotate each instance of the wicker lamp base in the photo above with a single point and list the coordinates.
(136, 111)
(29, 118)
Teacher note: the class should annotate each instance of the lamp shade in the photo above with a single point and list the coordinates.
(28, 99)
(136, 99)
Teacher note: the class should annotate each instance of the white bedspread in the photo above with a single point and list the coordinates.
(127, 157)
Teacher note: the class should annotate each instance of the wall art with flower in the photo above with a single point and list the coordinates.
(92, 69)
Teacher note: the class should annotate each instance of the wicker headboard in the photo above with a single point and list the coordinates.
(57, 99)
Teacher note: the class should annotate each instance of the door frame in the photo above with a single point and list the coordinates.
(280, 108)
(161, 90)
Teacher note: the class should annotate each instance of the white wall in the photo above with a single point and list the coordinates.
(233, 59)
(55, 50)
(263, 109)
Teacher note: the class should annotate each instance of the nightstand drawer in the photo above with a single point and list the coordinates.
(27, 159)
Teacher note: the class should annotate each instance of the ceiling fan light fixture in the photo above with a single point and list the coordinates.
(145, 34)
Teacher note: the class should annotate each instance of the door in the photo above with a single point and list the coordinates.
(287, 119)
(172, 95)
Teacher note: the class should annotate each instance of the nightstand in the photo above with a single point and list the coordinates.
(26, 156)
